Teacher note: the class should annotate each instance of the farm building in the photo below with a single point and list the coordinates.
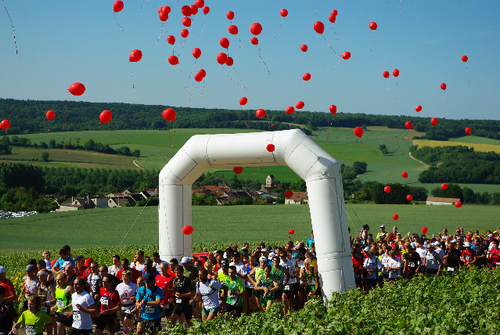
(440, 201)
(297, 198)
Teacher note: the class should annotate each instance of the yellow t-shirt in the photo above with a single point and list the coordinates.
(34, 323)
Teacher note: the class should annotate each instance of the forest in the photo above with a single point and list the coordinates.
(28, 116)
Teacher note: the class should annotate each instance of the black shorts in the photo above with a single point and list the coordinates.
(298, 288)
(183, 308)
(432, 271)
(151, 326)
(166, 310)
(277, 295)
(230, 308)
(410, 274)
(75, 331)
(125, 311)
(106, 320)
(250, 292)
(385, 276)
(67, 321)
(372, 282)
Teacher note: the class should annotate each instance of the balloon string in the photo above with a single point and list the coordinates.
(400, 5)
(467, 71)
(333, 68)
(64, 120)
(328, 44)
(387, 89)
(131, 76)
(102, 139)
(204, 18)
(117, 22)
(184, 42)
(182, 78)
(241, 43)
(12, 24)
(279, 28)
(145, 4)
(444, 100)
(332, 28)
(244, 118)
(371, 50)
(191, 94)
(312, 65)
(331, 123)
(161, 32)
(242, 86)
(191, 72)
(262, 60)
(49, 129)
(396, 89)
(279, 121)
(239, 78)
(261, 164)
(313, 8)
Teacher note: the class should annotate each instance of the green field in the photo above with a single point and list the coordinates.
(217, 224)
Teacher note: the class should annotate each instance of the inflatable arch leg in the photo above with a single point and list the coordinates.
(293, 148)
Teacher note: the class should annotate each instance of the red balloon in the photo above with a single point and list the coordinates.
(467, 131)
(358, 131)
(5, 124)
(306, 76)
(386, 74)
(299, 105)
(187, 229)
(424, 230)
(387, 189)
(50, 115)
(184, 33)
(198, 77)
(284, 12)
(291, 232)
(196, 53)
(255, 28)
(186, 21)
(333, 109)
(76, 89)
(238, 169)
(224, 42)
(372, 25)
(254, 40)
(199, 3)
(171, 39)
(332, 18)
(118, 6)
(229, 61)
(173, 60)
(443, 86)
(221, 58)
(166, 9)
(186, 10)
(418, 108)
(444, 186)
(169, 114)
(346, 55)
(202, 73)
(409, 197)
(458, 204)
(270, 147)
(230, 15)
(395, 72)
(243, 101)
(194, 9)
(465, 58)
(290, 110)
(233, 30)
(395, 216)
(163, 16)
(105, 116)
(288, 194)
(260, 113)
(404, 174)
(319, 27)
(335, 12)
(434, 121)
(303, 47)
(408, 125)
(206, 10)
(135, 55)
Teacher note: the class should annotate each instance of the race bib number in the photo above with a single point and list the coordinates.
(311, 282)
(104, 301)
(287, 287)
(77, 316)
(178, 300)
(149, 310)
(468, 258)
(232, 300)
(450, 268)
(29, 330)
(59, 303)
(411, 264)
(44, 309)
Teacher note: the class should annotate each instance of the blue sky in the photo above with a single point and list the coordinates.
(61, 42)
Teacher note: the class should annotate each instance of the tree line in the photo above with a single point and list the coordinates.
(28, 116)
(458, 164)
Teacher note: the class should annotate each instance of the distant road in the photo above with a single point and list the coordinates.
(409, 153)
(140, 167)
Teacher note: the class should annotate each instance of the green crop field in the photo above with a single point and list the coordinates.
(216, 224)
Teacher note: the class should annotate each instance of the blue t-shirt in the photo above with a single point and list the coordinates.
(149, 312)
(309, 241)
(61, 261)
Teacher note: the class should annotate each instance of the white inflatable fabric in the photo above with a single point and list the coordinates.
(293, 148)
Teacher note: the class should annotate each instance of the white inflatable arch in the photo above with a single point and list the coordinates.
(293, 148)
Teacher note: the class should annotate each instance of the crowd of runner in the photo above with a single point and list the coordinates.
(76, 295)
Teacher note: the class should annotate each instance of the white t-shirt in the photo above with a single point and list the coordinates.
(139, 266)
(127, 293)
(421, 252)
(92, 280)
(241, 269)
(48, 264)
(113, 270)
(209, 291)
(440, 252)
(82, 320)
(157, 265)
(393, 263)
(290, 266)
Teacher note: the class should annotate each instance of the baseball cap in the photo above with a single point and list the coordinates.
(262, 258)
(225, 264)
(467, 244)
(264, 250)
(2, 269)
(382, 226)
(367, 249)
(89, 261)
(236, 254)
(43, 272)
(186, 259)
(149, 278)
(271, 255)
(30, 268)
(295, 255)
(79, 258)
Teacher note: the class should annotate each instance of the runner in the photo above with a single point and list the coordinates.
(235, 292)
(47, 294)
(83, 308)
(33, 319)
(125, 266)
(166, 283)
(139, 261)
(148, 300)
(207, 290)
(127, 291)
(63, 303)
(63, 258)
(10, 291)
(183, 291)
(110, 305)
(268, 286)
(113, 269)
(253, 277)
(281, 276)
(94, 280)
(308, 279)
(7, 313)
(290, 287)
(30, 285)
(157, 262)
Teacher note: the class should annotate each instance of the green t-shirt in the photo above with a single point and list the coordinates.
(191, 273)
(33, 323)
(277, 275)
(238, 286)
(222, 277)
(269, 284)
(62, 299)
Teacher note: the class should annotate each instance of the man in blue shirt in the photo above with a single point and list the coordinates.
(310, 240)
(63, 260)
(148, 299)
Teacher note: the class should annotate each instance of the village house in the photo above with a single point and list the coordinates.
(441, 201)
(298, 198)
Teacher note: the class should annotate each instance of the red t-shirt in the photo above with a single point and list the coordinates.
(468, 256)
(170, 272)
(109, 299)
(165, 282)
(135, 274)
(9, 288)
(495, 255)
(357, 263)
